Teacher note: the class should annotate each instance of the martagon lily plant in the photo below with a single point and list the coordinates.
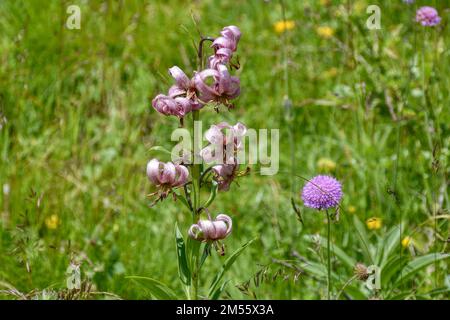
(212, 168)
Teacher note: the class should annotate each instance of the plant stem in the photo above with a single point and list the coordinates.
(195, 167)
(196, 176)
(329, 255)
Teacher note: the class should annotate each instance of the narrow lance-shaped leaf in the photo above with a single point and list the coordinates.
(226, 266)
(419, 263)
(183, 267)
(156, 288)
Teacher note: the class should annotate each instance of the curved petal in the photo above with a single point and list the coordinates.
(175, 91)
(227, 220)
(195, 232)
(153, 171)
(206, 93)
(220, 230)
(180, 77)
(207, 228)
(222, 42)
(239, 129)
(182, 175)
(184, 106)
(231, 32)
(208, 154)
(164, 104)
(214, 134)
(234, 90)
(167, 174)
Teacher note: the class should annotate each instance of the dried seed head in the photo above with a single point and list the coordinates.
(361, 272)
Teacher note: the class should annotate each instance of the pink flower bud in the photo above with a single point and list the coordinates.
(231, 32)
(211, 230)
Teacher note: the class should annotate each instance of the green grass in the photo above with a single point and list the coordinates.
(77, 126)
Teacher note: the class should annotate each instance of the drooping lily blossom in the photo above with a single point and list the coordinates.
(166, 176)
(229, 38)
(179, 106)
(224, 175)
(223, 86)
(224, 46)
(181, 98)
(211, 230)
(225, 141)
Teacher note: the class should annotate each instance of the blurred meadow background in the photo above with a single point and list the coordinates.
(370, 107)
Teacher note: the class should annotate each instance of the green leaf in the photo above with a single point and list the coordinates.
(183, 268)
(212, 194)
(206, 253)
(362, 236)
(156, 288)
(345, 258)
(315, 269)
(418, 264)
(216, 294)
(183, 200)
(390, 268)
(159, 149)
(390, 242)
(226, 266)
(192, 249)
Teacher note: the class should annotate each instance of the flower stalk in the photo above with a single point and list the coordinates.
(215, 85)
(329, 255)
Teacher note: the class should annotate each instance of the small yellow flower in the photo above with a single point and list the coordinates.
(325, 164)
(359, 7)
(374, 223)
(325, 32)
(406, 242)
(330, 73)
(52, 222)
(282, 26)
(324, 2)
(351, 209)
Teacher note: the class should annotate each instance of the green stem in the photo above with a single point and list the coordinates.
(195, 167)
(196, 176)
(329, 255)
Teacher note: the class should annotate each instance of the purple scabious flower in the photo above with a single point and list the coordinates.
(428, 16)
(322, 192)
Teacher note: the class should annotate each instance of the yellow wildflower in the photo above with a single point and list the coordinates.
(330, 73)
(52, 222)
(282, 26)
(359, 7)
(374, 223)
(406, 242)
(325, 32)
(325, 164)
(351, 209)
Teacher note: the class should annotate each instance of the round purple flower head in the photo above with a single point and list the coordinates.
(427, 16)
(322, 192)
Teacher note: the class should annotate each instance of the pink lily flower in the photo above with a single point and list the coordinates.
(211, 230)
(166, 176)
(224, 87)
